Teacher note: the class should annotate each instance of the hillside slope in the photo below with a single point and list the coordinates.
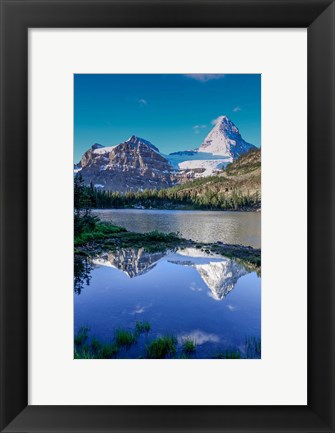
(236, 187)
(241, 178)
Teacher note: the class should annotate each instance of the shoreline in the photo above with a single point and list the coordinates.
(178, 209)
(108, 237)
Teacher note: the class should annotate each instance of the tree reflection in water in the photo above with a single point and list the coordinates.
(82, 273)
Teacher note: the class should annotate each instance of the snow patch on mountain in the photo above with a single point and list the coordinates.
(210, 167)
(102, 150)
(98, 149)
(208, 163)
(178, 157)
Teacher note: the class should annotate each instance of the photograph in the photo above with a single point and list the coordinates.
(194, 144)
(167, 216)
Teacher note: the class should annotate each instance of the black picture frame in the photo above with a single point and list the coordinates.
(17, 16)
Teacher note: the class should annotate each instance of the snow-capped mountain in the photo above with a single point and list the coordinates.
(225, 139)
(130, 166)
(138, 164)
(222, 145)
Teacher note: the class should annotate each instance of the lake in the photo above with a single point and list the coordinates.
(202, 226)
(189, 293)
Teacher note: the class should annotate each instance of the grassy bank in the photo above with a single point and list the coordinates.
(99, 231)
(162, 347)
(105, 236)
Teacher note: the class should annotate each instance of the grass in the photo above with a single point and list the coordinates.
(253, 347)
(189, 346)
(229, 354)
(96, 345)
(108, 351)
(124, 338)
(152, 241)
(82, 335)
(248, 256)
(162, 347)
(102, 230)
(105, 351)
(97, 240)
(108, 237)
(84, 353)
(94, 350)
(98, 350)
(142, 327)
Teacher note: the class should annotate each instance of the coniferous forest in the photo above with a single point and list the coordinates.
(236, 188)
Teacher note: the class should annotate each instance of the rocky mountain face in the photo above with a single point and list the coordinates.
(89, 155)
(130, 166)
(137, 164)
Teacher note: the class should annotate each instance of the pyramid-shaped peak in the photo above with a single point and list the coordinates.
(225, 139)
(223, 121)
(223, 118)
(138, 140)
(133, 139)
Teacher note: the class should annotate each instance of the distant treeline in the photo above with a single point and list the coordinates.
(174, 197)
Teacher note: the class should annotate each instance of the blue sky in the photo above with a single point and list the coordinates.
(172, 111)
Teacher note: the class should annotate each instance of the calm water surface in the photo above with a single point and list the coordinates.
(203, 226)
(187, 293)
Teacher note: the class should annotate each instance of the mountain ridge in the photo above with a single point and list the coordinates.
(137, 164)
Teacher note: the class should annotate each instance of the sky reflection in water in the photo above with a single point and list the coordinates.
(214, 300)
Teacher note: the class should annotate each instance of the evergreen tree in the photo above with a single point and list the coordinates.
(83, 203)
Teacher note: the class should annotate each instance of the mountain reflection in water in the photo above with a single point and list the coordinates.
(219, 273)
(132, 261)
(187, 293)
